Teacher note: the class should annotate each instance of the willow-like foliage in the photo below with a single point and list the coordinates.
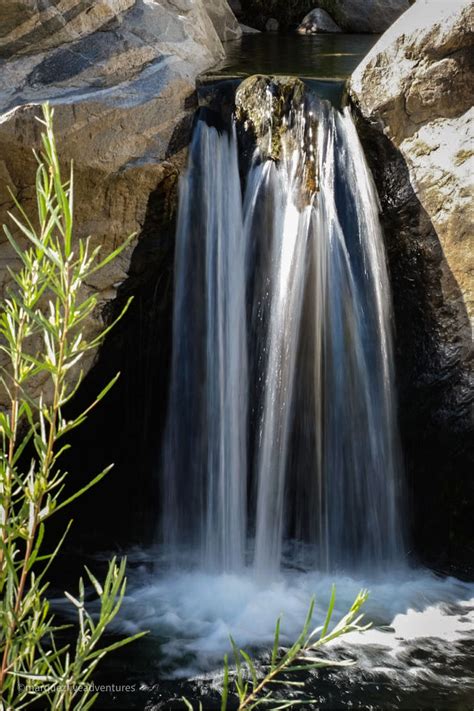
(42, 341)
(253, 686)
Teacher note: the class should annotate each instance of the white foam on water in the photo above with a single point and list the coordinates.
(194, 612)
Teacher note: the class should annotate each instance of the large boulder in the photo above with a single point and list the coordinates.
(223, 19)
(29, 26)
(413, 95)
(120, 75)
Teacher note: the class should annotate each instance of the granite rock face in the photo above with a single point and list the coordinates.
(223, 19)
(120, 75)
(30, 26)
(413, 96)
(316, 21)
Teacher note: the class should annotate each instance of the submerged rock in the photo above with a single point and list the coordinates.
(246, 30)
(316, 21)
(413, 93)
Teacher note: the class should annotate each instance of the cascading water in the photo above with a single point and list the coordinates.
(281, 325)
(280, 461)
(205, 450)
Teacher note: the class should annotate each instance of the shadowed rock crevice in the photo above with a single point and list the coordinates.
(412, 92)
(126, 426)
(351, 15)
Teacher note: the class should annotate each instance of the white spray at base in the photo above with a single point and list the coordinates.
(193, 612)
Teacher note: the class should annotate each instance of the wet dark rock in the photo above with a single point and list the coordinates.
(412, 95)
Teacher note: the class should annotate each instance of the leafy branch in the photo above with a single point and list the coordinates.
(251, 684)
(42, 351)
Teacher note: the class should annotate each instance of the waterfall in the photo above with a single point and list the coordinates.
(205, 468)
(281, 424)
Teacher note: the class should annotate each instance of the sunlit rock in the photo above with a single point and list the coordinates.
(121, 77)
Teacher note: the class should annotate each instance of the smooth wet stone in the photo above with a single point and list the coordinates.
(272, 25)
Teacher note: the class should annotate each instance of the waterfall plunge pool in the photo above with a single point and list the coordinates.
(419, 653)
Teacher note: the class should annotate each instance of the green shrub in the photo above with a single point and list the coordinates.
(42, 341)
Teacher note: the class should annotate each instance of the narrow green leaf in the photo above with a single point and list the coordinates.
(251, 667)
(85, 488)
(332, 602)
(116, 645)
(276, 642)
(225, 688)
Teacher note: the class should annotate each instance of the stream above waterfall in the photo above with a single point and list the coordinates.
(325, 61)
(331, 57)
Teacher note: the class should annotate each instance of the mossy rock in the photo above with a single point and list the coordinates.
(262, 107)
(266, 109)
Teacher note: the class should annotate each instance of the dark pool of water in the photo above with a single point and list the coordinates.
(131, 680)
(419, 657)
(323, 61)
(326, 57)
